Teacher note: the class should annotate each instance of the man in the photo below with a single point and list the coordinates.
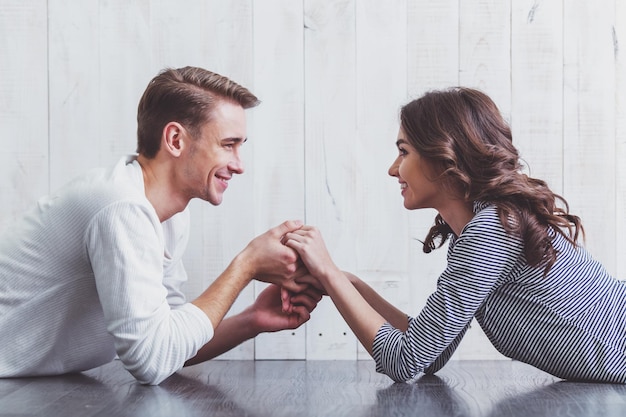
(95, 271)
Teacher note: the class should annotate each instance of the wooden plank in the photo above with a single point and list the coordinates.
(74, 74)
(485, 49)
(331, 138)
(278, 140)
(485, 63)
(432, 63)
(124, 39)
(537, 88)
(314, 388)
(432, 45)
(619, 40)
(589, 121)
(381, 86)
(23, 107)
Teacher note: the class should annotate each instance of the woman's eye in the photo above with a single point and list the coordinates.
(402, 151)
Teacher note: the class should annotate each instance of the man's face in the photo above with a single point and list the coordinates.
(213, 157)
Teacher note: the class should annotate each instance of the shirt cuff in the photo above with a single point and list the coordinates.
(199, 324)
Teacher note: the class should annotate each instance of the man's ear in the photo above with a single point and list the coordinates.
(174, 138)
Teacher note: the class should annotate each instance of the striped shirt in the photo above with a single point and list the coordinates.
(570, 323)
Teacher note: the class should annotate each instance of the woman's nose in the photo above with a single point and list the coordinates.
(393, 169)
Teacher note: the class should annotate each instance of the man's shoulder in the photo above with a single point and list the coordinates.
(98, 188)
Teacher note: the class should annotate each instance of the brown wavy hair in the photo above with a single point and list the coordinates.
(469, 145)
(185, 95)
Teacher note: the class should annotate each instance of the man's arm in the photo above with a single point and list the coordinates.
(264, 315)
(217, 299)
(263, 256)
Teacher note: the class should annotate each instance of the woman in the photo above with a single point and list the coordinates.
(513, 259)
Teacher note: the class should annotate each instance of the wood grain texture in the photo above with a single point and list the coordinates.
(330, 142)
(619, 50)
(537, 88)
(589, 124)
(278, 140)
(381, 62)
(313, 388)
(24, 157)
(433, 56)
(485, 49)
(484, 63)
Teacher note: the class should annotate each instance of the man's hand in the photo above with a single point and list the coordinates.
(308, 242)
(268, 314)
(273, 262)
(305, 283)
(264, 315)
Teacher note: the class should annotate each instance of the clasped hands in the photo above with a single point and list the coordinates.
(279, 262)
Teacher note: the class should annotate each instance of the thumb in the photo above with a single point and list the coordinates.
(285, 297)
(289, 226)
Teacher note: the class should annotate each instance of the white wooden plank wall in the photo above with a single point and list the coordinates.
(332, 76)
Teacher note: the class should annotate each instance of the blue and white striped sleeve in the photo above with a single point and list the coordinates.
(481, 258)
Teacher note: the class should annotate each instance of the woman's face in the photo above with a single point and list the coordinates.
(413, 173)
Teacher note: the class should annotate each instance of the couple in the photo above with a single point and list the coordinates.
(94, 270)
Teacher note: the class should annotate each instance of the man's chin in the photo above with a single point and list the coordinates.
(213, 200)
(216, 201)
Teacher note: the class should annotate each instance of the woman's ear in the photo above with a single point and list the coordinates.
(174, 138)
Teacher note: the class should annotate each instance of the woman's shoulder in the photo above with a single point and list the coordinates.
(486, 228)
(485, 216)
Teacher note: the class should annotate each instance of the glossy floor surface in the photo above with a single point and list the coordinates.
(312, 388)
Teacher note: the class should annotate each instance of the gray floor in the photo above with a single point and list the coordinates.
(313, 388)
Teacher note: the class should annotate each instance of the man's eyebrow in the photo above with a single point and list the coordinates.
(235, 140)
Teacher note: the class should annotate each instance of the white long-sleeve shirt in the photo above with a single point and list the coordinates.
(91, 272)
(570, 323)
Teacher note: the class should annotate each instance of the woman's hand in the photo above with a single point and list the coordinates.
(309, 244)
(273, 262)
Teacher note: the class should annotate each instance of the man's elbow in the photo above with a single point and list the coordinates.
(149, 375)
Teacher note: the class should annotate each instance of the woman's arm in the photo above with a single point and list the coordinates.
(363, 318)
(479, 261)
(393, 315)
(388, 311)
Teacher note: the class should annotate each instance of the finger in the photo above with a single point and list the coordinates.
(312, 282)
(305, 300)
(287, 226)
(285, 297)
(302, 314)
(311, 292)
(297, 235)
(301, 271)
(294, 286)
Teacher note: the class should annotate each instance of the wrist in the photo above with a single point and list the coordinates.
(244, 266)
(351, 277)
(248, 323)
(331, 275)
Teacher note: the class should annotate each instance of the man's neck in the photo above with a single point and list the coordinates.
(159, 189)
